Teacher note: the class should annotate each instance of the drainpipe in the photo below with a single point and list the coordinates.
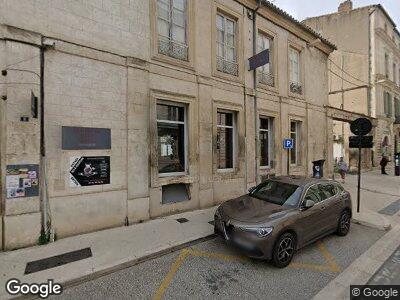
(257, 138)
(46, 233)
(369, 104)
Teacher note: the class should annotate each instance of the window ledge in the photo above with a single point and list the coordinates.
(171, 179)
(173, 61)
(230, 170)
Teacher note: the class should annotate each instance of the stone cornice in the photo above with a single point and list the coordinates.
(286, 22)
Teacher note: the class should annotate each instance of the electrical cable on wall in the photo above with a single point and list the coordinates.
(347, 73)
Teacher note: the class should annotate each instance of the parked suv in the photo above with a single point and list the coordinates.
(282, 215)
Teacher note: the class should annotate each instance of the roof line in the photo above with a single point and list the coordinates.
(379, 6)
(303, 26)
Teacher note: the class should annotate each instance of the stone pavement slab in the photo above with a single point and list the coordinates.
(363, 268)
(112, 248)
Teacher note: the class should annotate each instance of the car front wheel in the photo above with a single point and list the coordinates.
(283, 250)
(344, 223)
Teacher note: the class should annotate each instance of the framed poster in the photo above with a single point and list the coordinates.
(89, 170)
(22, 181)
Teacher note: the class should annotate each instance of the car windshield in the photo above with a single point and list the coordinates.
(278, 193)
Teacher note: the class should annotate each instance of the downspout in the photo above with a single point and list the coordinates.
(369, 93)
(46, 234)
(257, 138)
(369, 105)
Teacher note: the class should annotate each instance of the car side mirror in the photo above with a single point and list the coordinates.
(308, 204)
(250, 190)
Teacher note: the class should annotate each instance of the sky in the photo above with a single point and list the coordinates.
(301, 9)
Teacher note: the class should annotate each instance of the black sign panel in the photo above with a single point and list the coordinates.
(259, 60)
(81, 138)
(89, 170)
(363, 141)
(361, 126)
(34, 105)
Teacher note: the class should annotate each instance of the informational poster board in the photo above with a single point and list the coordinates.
(22, 181)
(89, 170)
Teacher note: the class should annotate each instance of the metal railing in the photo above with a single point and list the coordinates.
(172, 48)
(226, 66)
(266, 78)
(296, 87)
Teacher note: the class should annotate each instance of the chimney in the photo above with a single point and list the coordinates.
(345, 6)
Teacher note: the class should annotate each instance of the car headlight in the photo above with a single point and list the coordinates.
(259, 231)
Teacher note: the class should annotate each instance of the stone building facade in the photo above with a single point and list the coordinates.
(169, 79)
(364, 73)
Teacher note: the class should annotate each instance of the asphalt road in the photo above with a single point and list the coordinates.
(211, 270)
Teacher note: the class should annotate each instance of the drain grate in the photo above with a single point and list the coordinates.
(58, 260)
(182, 220)
(391, 209)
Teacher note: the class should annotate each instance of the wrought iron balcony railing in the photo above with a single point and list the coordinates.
(172, 48)
(296, 88)
(227, 67)
(266, 78)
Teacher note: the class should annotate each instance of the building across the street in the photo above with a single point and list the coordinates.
(364, 77)
(115, 111)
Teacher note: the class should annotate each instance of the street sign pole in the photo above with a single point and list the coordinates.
(359, 175)
(288, 161)
(360, 127)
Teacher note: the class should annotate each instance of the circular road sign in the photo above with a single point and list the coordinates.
(361, 126)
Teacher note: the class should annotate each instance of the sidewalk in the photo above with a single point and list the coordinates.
(378, 192)
(111, 249)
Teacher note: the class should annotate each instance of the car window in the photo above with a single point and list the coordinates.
(278, 192)
(328, 190)
(313, 193)
(338, 188)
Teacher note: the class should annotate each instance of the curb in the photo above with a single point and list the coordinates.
(125, 265)
(363, 268)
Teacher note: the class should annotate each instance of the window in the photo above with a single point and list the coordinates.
(313, 194)
(266, 72)
(226, 45)
(328, 190)
(295, 134)
(225, 139)
(294, 71)
(278, 193)
(172, 28)
(397, 109)
(387, 105)
(386, 65)
(266, 138)
(171, 127)
(394, 73)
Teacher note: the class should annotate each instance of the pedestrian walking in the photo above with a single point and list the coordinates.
(383, 163)
(343, 168)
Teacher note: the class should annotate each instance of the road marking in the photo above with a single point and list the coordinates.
(329, 257)
(167, 280)
(331, 264)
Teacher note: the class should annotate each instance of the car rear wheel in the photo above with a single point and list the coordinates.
(284, 250)
(344, 223)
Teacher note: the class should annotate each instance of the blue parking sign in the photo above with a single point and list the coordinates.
(288, 143)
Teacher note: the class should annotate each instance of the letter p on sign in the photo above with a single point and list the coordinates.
(288, 143)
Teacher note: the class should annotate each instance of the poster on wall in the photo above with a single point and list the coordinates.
(22, 181)
(89, 170)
